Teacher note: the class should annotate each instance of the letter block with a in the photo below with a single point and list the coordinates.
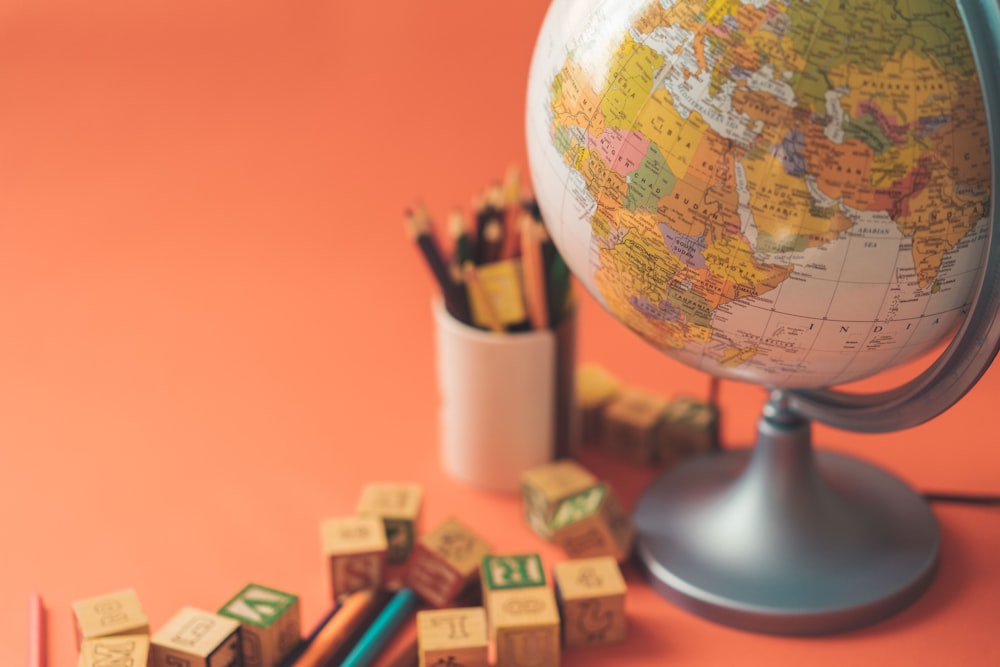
(117, 613)
(398, 506)
(270, 626)
(124, 650)
(544, 487)
(590, 593)
(593, 523)
(455, 637)
(356, 550)
(525, 626)
(445, 563)
(196, 638)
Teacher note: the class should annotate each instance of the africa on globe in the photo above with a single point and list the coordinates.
(790, 193)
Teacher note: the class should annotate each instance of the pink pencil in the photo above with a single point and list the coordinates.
(36, 631)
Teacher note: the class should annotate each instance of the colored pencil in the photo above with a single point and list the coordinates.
(462, 246)
(381, 631)
(407, 656)
(533, 273)
(336, 631)
(476, 290)
(382, 598)
(290, 659)
(490, 242)
(419, 227)
(36, 631)
(558, 288)
(511, 192)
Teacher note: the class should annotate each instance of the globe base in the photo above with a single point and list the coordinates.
(783, 540)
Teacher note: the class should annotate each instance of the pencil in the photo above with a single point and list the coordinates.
(476, 291)
(511, 193)
(382, 598)
(533, 272)
(36, 631)
(335, 632)
(379, 633)
(420, 230)
(406, 654)
(462, 247)
(491, 242)
(558, 288)
(290, 659)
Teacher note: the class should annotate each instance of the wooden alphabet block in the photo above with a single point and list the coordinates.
(501, 572)
(590, 593)
(525, 626)
(445, 563)
(398, 506)
(356, 549)
(690, 427)
(595, 388)
(632, 424)
(544, 487)
(117, 613)
(270, 625)
(453, 637)
(115, 651)
(593, 523)
(196, 638)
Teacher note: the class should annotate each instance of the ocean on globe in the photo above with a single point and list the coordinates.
(789, 193)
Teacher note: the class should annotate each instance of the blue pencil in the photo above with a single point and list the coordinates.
(381, 630)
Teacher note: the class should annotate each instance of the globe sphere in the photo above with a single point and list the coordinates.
(789, 193)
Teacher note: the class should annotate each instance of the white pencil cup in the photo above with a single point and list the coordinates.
(506, 399)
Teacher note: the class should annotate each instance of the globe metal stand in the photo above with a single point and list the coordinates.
(785, 540)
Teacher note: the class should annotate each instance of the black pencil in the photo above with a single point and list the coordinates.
(453, 293)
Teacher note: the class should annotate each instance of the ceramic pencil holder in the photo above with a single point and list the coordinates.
(507, 400)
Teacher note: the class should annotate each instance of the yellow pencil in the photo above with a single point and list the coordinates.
(479, 295)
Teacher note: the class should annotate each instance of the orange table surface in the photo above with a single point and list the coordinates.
(214, 331)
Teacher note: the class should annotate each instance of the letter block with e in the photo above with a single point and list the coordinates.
(270, 625)
(398, 506)
(593, 523)
(453, 637)
(445, 563)
(525, 626)
(196, 638)
(117, 613)
(590, 593)
(544, 487)
(356, 549)
(115, 651)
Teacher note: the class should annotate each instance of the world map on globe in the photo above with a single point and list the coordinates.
(791, 193)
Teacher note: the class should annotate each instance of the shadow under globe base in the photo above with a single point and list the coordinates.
(784, 540)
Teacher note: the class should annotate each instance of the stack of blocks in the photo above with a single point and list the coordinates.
(270, 624)
(398, 507)
(641, 426)
(365, 549)
(523, 618)
(566, 504)
(444, 565)
(112, 629)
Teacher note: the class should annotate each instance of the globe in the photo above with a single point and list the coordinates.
(799, 195)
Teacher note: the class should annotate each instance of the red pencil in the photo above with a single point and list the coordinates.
(36, 631)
